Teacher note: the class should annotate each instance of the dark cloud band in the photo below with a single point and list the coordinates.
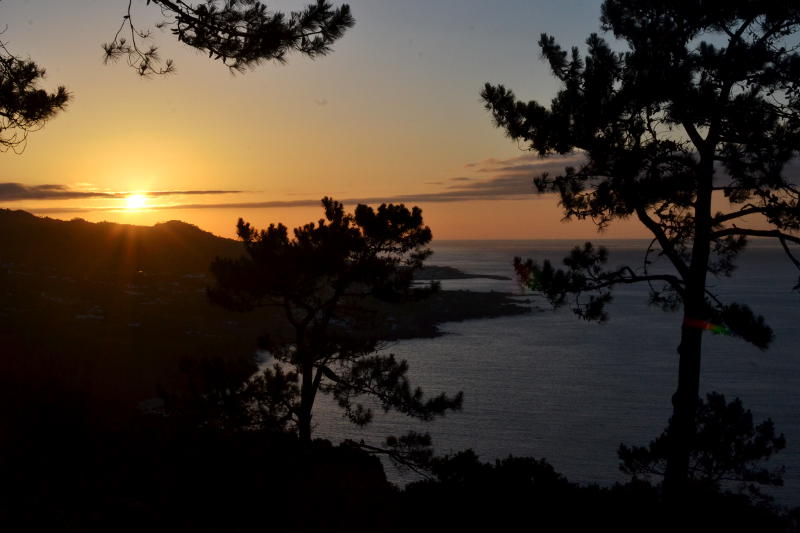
(13, 192)
(511, 180)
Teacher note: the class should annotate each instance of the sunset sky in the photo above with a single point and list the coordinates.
(394, 114)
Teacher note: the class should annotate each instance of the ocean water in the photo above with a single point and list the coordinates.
(549, 385)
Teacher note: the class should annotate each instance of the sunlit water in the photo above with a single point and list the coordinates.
(549, 385)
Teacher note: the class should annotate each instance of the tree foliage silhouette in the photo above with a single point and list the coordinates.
(727, 447)
(240, 33)
(690, 132)
(321, 278)
(24, 106)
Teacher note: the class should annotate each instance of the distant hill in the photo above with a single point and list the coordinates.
(108, 250)
(80, 327)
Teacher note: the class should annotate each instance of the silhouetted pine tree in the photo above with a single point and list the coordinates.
(701, 110)
(240, 33)
(24, 106)
(321, 277)
(727, 449)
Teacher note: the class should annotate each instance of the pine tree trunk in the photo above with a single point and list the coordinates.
(304, 426)
(684, 401)
(306, 402)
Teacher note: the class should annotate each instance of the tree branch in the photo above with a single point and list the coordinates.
(663, 241)
(694, 135)
(631, 278)
(394, 456)
(784, 238)
(747, 210)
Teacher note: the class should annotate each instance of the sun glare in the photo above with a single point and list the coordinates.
(135, 201)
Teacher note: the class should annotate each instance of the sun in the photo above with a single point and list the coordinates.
(135, 201)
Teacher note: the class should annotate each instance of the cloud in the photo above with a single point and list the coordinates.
(527, 163)
(10, 192)
(500, 179)
(499, 185)
(13, 192)
(423, 198)
(510, 179)
(182, 193)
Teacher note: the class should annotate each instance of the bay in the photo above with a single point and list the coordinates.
(549, 385)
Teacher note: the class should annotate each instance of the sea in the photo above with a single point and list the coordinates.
(549, 385)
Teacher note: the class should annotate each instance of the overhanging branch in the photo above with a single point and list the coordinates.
(747, 210)
(630, 277)
(783, 238)
(663, 241)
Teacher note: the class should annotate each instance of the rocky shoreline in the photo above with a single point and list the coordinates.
(440, 273)
(422, 318)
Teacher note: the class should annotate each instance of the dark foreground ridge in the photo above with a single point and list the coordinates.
(162, 477)
(117, 411)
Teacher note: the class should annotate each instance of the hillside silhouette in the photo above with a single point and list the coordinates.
(120, 312)
(106, 250)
